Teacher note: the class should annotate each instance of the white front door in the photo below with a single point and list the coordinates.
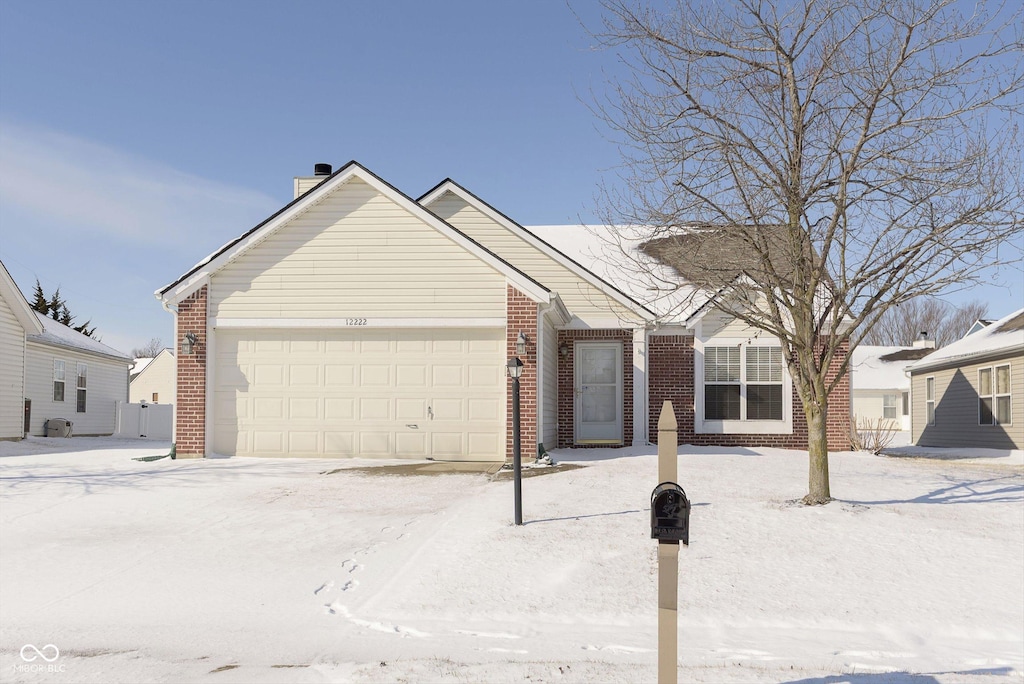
(598, 392)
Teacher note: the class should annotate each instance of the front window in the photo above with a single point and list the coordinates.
(58, 380)
(743, 383)
(890, 404)
(83, 371)
(994, 395)
(929, 399)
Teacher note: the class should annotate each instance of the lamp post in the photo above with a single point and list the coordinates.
(515, 369)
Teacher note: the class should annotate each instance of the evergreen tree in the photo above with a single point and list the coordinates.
(57, 308)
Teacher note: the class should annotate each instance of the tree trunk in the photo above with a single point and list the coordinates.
(817, 452)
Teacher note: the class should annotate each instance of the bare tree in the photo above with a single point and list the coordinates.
(943, 323)
(852, 154)
(150, 350)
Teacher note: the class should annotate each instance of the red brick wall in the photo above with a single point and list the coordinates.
(567, 381)
(190, 404)
(670, 376)
(521, 316)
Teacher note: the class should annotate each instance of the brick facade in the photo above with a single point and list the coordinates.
(521, 316)
(190, 404)
(670, 364)
(567, 381)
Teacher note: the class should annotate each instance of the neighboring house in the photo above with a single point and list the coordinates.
(880, 385)
(17, 319)
(971, 393)
(152, 380)
(71, 376)
(358, 321)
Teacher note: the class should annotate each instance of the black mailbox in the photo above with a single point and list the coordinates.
(670, 514)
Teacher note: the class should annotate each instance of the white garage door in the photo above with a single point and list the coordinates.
(391, 393)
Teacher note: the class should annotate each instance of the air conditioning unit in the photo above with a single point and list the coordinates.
(58, 427)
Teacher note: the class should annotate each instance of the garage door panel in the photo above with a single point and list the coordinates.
(340, 376)
(339, 408)
(303, 375)
(374, 408)
(303, 408)
(387, 392)
(268, 375)
(411, 409)
(374, 443)
(413, 444)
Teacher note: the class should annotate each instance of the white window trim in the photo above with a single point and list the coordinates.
(738, 427)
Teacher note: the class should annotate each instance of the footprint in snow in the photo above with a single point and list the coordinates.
(326, 586)
(351, 584)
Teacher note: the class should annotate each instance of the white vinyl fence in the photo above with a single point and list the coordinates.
(154, 421)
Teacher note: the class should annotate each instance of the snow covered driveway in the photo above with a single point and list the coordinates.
(239, 570)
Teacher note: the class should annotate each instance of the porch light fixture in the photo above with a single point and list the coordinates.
(563, 350)
(521, 344)
(188, 344)
(514, 367)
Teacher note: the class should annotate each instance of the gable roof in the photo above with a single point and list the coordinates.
(57, 334)
(1002, 337)
(532, 238)
(143, 363)
(194, 278)
(10, 293)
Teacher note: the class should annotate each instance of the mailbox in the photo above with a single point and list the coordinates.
(670, 514)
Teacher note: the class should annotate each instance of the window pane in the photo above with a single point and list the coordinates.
(764, 402)
(929, 389)
(985, 410)
(1003, 380)
(722, 364)
(930, 409)
(722, 402)
(1003, 410)
(985, 382)
(82, 372)
(81, 401)
(889, 402)
(58, 371)
(764, 364)
(58, 391)
(906, 403)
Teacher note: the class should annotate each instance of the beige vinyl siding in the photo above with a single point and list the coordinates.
(870, 405)
(719, 324)
(305, 184)
(107, 384)
(12, 373)
(580, 297)
(357, 254)
(549, 383)
(956, 408)
(158, 377)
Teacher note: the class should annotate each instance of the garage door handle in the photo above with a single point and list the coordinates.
(414, 427)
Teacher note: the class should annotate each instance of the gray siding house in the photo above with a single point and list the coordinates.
(971, 393)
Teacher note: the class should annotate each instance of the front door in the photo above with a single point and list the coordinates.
(598, 392)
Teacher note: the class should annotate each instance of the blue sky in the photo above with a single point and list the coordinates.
(137, 137)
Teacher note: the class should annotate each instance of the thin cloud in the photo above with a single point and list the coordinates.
(78, 186)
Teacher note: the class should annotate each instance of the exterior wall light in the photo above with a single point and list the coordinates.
(189, 343)
(514, 367)
(521, 344)
(563, 350)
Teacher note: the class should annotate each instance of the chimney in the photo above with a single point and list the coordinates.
(304, 184)
(923, 342)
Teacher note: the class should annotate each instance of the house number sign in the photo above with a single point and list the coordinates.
(355, 321)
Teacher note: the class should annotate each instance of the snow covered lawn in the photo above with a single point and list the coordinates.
(253, 570)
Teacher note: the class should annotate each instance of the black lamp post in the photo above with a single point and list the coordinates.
(515, 369)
